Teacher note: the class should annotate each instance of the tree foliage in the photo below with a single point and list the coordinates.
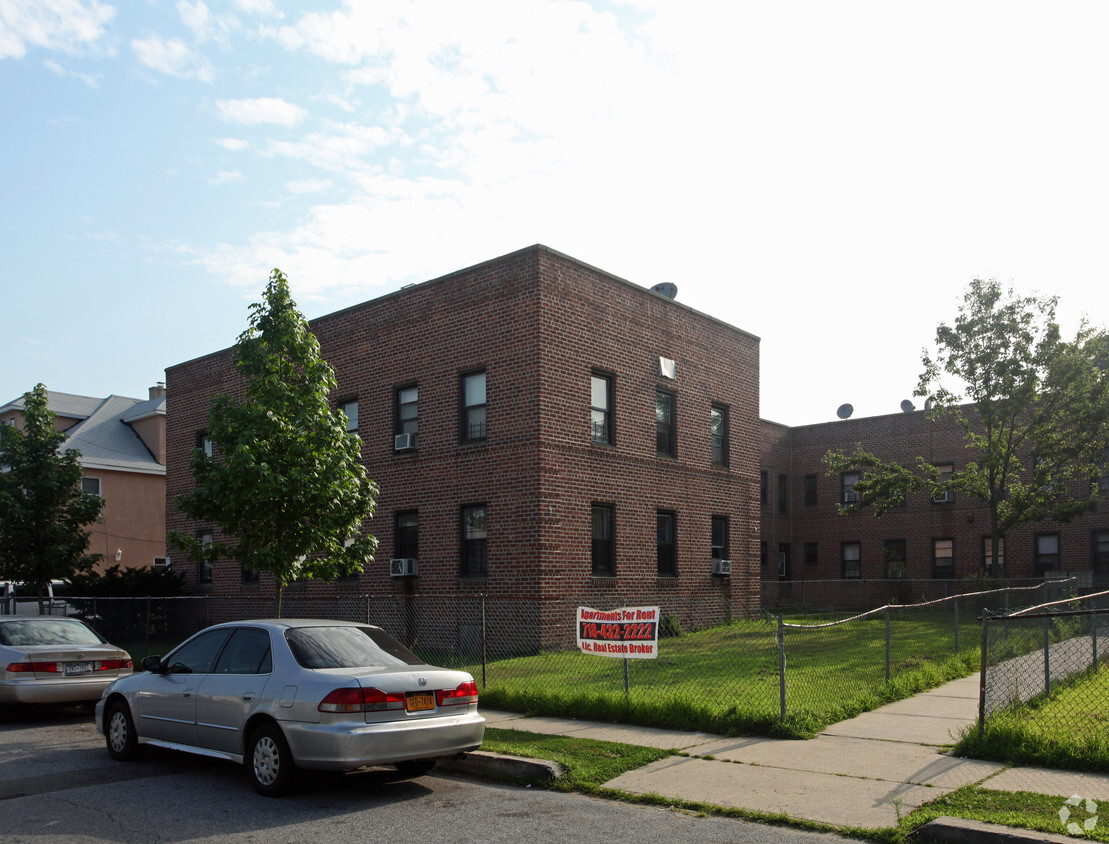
(44, 514)
(284, 481)
(1033, 409)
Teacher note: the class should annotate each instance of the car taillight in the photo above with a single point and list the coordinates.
(361, 700)
(113, 664)
(37, 667)
(463, 695)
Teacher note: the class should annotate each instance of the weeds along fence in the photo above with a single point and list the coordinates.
(1042, 653)
(754, 672)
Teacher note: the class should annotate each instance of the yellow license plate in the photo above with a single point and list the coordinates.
(420, 702)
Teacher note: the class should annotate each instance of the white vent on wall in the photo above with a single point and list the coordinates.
(722, 567)
(403, 567)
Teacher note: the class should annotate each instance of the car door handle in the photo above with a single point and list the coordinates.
(248, 697)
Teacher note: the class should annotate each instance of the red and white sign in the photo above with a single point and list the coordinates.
(629, 632)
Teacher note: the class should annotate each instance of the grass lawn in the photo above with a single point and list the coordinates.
(726, 679)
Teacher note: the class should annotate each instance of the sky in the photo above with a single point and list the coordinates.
(826, 176)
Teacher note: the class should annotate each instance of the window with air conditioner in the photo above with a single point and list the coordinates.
(406, 411)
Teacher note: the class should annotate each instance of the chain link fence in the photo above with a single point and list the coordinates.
(746, 672)
(1047, 652)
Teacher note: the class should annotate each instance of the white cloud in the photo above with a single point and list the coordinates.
(233, 144)
(340, 147)
(172, 57)
(258, 7)
(90, 79)
(224, 177)
(302, 186)
(261, 110)
(62, 25)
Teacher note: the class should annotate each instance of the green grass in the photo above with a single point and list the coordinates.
(725, 679)
(1067, 728)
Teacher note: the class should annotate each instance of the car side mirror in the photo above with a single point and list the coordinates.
(153, 664)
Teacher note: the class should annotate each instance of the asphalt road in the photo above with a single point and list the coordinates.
(57, 784)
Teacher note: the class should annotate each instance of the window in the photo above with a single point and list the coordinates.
(248, 576)
(247, 652)
(851, 555)
(720, 538)
(473, 406)
(945, 496)
(810, 554)
(349, 409)
(1101, 551)
(783, 560)
(763, 483)
(600, 408)
(406, 543)
(810, 490)
(667, 544)
(603, 557)
(406, 405)
(764, 553)
(1047, 552)
(90, 486)
(666, 443)
(847, 482)
(987, 555)
(197, 655)
(894, 553)
(473, 541)
(718, 425)
(943, 559)
(783, 494)
(204, 443)
(204, 567)
(1103, 479)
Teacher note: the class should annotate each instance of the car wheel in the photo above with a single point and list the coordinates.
(269, 763)
(119, 732)
(415, 767)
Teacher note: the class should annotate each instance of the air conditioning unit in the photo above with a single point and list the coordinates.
(404, 442)
(403, 567)
(723, 567)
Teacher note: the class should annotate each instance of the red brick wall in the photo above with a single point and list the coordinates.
(538, 322)
(903, 437)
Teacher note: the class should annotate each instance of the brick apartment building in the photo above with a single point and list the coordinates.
(541, 431)
(804, 538)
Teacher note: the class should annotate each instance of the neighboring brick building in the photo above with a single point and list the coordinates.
(540, 430)
(122, 442)
(925, 539)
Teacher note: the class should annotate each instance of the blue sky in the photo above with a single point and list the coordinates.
(827, 176)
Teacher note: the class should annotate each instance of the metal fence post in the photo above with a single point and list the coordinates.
(1093, 635)
(484, 661)
(782, 666)
(956, 602)
(1047, 652)
(982, 677)
(887, 644)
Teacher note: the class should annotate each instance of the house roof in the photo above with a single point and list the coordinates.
(104, 435)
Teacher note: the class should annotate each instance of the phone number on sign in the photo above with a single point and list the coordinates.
(633, 632)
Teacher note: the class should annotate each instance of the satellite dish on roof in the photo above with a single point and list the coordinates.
(845, 411)
(907, 406)
(666, 289)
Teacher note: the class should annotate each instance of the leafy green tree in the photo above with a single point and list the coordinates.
(1033, 409)
(283, 481)
(44, 513)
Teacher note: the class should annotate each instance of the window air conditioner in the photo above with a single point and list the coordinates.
(723, 567)
(404, 442)
(403, 567)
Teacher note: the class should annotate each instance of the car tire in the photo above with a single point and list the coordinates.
(269, 762)
(119, 733)
(415, 767)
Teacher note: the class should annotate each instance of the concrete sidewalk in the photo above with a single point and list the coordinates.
(863, 772)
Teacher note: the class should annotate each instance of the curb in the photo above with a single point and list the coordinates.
(959, 831)
(485, 763)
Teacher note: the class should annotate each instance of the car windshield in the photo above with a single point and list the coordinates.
(348, 647)
(46, 631)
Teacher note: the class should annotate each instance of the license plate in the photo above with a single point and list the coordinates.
(72, 668)
(420, 702)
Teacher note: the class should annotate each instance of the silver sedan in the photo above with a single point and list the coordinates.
(278, 695)
(55, 660)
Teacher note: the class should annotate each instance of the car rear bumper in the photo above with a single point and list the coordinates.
(348, 746)
(70, 690)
